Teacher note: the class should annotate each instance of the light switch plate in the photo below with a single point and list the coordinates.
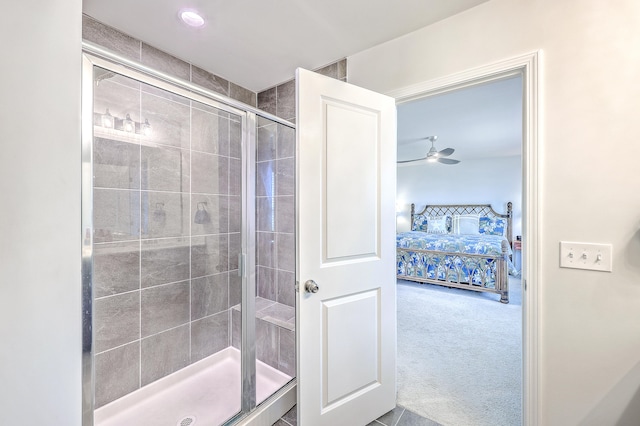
(591, 256)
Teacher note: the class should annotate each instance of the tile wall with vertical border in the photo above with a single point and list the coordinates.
(167, 218)
(275, 224)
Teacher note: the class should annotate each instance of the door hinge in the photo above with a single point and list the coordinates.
(525, 285)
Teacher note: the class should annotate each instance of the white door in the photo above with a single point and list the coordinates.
(346, 185)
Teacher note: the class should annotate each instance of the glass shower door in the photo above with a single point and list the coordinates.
(275, 257)
(167, 213)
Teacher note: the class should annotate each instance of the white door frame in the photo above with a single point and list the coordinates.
(526, 65)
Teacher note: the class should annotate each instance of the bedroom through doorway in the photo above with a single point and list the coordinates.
(460, 350)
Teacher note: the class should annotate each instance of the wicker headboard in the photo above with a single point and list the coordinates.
(481, 209)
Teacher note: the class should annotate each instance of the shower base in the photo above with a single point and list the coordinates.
(207, 391)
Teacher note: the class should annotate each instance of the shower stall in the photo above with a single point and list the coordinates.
(188, 250)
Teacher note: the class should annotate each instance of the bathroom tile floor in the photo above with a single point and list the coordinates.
(399, 416)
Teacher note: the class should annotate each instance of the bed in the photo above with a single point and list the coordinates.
(465, 246)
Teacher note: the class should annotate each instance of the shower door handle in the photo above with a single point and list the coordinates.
(311, 287)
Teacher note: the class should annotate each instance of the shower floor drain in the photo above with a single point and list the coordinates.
(187, 421)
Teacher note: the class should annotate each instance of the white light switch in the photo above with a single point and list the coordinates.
(595, 257)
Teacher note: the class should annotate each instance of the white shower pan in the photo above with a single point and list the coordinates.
(204, 393)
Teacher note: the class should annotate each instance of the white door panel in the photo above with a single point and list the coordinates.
(351, 336)
(352, 136)
(346, 183)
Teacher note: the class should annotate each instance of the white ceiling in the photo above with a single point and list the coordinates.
(482, 121)
(259, 44)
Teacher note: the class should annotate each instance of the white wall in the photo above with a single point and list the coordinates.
(40, 339)
(589, 179)
(492, 181)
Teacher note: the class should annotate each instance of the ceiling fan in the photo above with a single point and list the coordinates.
(433, 155)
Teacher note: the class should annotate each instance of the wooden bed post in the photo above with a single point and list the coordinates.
(502, 278)
(413, 211)
(509, 223)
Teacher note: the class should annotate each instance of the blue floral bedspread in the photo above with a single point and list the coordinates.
(469, 244)
(452, 267)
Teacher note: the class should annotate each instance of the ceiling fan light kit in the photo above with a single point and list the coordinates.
(433, 155)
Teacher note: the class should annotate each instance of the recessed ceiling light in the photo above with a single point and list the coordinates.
(191, 18)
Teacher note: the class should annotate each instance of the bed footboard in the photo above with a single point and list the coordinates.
(476, 272)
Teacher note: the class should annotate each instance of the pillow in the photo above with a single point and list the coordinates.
(493, 226)
(437, 225)
(420, 223)
(467, 224)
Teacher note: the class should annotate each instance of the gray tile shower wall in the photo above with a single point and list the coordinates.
(117, 372)
(275, 253)
(275, 224)
(131, 48)
(281, 99)
(167, 236)
(274, 209)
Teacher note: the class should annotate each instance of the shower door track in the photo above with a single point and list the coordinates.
(94, 55)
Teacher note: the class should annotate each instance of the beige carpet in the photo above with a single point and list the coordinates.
(459, 354)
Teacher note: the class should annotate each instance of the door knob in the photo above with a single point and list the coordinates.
(311, 287)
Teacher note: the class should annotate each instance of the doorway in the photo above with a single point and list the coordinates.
(525, 68)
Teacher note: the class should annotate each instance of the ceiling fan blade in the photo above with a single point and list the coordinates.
(448, 161)
(411, 161)
(446, 152)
